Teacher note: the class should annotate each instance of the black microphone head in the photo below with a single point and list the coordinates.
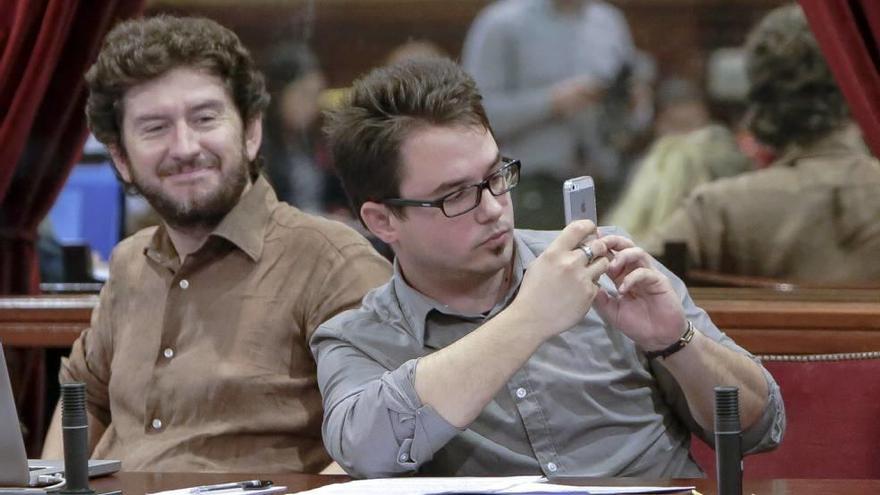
(73, 404)
(727, 410)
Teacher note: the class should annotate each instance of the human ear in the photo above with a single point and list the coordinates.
(120, 161)
(377, 218)
(253, 136)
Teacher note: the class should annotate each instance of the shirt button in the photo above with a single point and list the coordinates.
(551, 466)
(157, 424)
(403, 458)
(520, 393)
(168, 353)
(184, 284)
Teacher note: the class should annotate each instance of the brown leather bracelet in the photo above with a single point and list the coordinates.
(676, 346)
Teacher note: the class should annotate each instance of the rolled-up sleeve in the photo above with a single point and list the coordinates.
(764, 434)
(374, 425)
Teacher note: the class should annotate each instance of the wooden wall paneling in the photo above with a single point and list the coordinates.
(782, 326)
(798, 327)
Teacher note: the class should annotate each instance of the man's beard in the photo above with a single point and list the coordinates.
(201, 212)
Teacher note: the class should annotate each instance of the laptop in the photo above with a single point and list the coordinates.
(15, 468)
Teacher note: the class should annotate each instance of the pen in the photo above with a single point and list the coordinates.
(243, 485)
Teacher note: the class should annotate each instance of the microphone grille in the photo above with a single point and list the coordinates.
(73, 404)
(727, 409)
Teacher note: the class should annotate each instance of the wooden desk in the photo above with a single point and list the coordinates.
(141, 483)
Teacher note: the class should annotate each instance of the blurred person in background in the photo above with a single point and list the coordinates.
(681, 108)
(412, 49)
(296, 162)
(546, 68)
(674, 166)
(688, 150)
(814, 214)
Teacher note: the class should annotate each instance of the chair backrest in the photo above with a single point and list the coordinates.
(832, 404)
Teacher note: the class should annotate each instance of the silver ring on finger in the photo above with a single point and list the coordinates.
(587, 251)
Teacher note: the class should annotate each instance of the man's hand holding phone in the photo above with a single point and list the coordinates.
(646, 309)
(560, 285)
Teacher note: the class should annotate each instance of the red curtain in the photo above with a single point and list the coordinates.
(45, 48)
(848, 32)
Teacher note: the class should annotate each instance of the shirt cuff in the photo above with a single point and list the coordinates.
(423, 432)
(766, 433)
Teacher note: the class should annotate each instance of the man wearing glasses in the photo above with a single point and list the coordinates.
(495, 351)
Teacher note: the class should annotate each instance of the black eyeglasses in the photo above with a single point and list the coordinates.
(467, 198)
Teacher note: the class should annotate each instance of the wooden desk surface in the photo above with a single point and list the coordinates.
(141, 483)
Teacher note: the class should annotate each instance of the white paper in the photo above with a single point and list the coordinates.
(423, 486)
(510, 484)
(232, 491)
(595, 490)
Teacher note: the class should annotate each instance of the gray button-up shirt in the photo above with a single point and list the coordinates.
(586, 403)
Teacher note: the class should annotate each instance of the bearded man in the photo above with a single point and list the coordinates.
(197, 356)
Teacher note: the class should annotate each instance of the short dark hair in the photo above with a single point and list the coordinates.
(385, 106)
(139, 50)
(793, 96)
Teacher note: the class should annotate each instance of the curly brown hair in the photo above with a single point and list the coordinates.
(137, 51)
(384, 108)
(793, 96)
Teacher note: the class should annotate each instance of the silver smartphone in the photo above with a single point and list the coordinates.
(579, 195)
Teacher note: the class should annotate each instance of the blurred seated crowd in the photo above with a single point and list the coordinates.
(758, 169)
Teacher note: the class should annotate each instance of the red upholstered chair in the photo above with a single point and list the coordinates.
(832, 403)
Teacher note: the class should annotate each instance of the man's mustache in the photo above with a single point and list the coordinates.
(182, 166)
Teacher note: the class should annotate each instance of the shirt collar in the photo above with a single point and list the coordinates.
(844, 141)
(417, 307)
(244, 226)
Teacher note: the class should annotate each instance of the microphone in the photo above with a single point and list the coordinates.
(75, 426)
(728, 442)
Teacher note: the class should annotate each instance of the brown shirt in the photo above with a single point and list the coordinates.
(813, 216)
(204, 365)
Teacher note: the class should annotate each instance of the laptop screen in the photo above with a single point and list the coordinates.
(13, 459)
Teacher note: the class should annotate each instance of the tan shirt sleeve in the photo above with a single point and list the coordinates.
(356, 270)
(91, 355)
